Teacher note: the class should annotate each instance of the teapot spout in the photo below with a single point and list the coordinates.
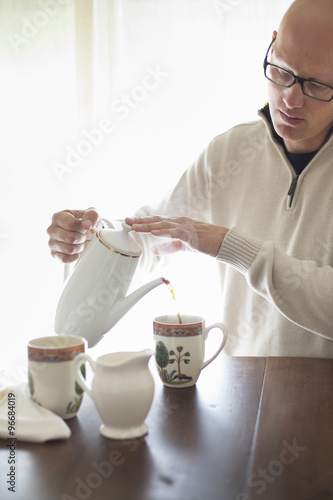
(128, 302)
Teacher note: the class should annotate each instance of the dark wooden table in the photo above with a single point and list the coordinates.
(252, 428)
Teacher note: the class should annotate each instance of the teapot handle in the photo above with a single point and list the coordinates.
(105, 223)
(67, 271)
(78, 374)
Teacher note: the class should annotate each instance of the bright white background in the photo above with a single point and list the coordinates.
(66, 67)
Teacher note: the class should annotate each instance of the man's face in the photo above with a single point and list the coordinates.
(301, 121)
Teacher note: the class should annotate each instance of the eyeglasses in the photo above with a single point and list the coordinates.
(284, 78)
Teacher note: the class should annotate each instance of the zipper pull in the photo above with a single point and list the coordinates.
(292, 189)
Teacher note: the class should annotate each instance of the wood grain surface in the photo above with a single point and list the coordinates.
(252, 428)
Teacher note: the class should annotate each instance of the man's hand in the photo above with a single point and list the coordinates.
(184, 233)
(69, 233)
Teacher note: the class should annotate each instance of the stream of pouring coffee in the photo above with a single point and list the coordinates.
(168, 284)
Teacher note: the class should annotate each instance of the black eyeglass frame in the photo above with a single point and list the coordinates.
(297, 79)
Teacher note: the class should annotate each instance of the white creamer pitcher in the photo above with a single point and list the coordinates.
(122, 390)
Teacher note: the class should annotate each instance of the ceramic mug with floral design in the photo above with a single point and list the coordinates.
(51, 373)
(180, 348)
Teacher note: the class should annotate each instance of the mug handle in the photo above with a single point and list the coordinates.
(78, 375)
(224, 331)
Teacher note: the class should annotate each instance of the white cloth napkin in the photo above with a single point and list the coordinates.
(31, 422)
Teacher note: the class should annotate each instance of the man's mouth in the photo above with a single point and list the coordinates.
(291, 120)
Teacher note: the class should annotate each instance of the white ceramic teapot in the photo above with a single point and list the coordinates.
(94, 296)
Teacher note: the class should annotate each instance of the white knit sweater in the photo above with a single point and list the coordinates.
(276, 262)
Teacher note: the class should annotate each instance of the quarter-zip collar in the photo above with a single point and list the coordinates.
(264, 113)
(300, 161)
(279, 145)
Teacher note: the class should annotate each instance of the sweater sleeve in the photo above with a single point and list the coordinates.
(300, 289)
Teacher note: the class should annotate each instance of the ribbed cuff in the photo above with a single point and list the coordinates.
(238, 250)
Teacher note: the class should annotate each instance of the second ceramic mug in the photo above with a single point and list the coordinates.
(51, 373)
(180, 348)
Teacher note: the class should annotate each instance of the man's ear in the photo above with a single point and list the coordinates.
(273, 37)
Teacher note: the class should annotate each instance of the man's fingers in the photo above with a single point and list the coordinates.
(170, 247)
(69, 233)
(90, 218)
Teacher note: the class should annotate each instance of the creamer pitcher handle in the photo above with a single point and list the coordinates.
(78, 374)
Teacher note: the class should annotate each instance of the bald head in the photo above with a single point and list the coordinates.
(309, 20)
(304, 47)
(305, 38)
(313, 9)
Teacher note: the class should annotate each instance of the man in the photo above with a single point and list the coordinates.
(263, 193)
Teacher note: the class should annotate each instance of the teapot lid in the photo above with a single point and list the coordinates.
(120, 241)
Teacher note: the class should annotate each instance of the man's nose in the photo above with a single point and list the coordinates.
(293, 96)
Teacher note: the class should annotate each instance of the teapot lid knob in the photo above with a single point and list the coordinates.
(126, 227)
